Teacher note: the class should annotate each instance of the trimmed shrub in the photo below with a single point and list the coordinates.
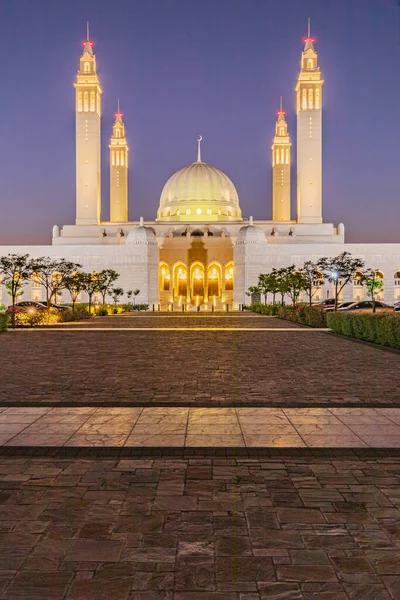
(271, 310)
(66, 316)
(380, 328)
(312, 316)
(3, 323)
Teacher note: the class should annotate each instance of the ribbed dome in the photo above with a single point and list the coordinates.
(141, 235)
(199, 192)
(249, 234)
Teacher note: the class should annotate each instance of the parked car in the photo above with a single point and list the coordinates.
(59, 307)
(327, 304)
(366, 305)
(396, 307)
(28, 306)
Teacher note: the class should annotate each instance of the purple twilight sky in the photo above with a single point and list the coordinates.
(183, 68)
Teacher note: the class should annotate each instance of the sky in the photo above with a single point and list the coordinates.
(184, 68)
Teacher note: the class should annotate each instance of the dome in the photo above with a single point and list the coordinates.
(249, 234)
(199, 192)
(141, 235)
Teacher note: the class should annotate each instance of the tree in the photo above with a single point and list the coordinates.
(52, 274)
(281, 282)
(75, 284)
(116, 294)
(91, 286)
(106, 278)
(340, 270)
(295, 283)
(373, 283)
(310, 273)
(253, 289)
(264, 283)
(15, 270)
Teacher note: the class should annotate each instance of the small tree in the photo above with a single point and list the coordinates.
(15, 269)
(373, 283)
(253, 289)
(75, 284)
(281, 282)
(52, 274)
(116, 294)
(340, 270)
(310, 274)
(106, 279)
(91, 286)
(295, 283)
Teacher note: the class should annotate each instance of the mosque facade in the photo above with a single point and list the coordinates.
(200, 250)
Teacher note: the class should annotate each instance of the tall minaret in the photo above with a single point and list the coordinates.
(118, 171)
(88, 160)
(309, 136)
(281, 170)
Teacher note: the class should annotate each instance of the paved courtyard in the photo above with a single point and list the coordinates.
(270, 363)
(219, 457)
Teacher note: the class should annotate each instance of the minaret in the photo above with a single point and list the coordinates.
(309, 136)
(281, 170)
(118, 171)
(88, 160)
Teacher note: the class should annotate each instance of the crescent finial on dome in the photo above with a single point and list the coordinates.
(199, 148)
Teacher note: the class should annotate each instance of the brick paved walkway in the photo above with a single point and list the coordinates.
(196, 368)
(201, 427)
(125, 502)
(200, 529)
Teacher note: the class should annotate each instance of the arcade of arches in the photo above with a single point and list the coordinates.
(196, 284)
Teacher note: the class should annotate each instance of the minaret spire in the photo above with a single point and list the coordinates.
(87, 32)
(199, 148)
(118, 171)
(281, 159)
(309, 27)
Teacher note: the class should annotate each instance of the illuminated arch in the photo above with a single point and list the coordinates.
(197, 277)
(180, 279)
(229, 276)
(164, 277)
(214, 280)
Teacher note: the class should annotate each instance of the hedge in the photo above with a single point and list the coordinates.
(312, 316)
(380, 328)
(3, 323)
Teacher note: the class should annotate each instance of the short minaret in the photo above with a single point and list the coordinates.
(309, 136)
(281, 170)
(88, 147)
(118, 171)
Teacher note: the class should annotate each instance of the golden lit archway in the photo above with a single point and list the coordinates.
(197, 286)
(229, 276)
(180, 279)
(164, 277)
(214, 281)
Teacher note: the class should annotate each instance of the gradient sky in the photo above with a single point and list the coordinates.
(212, 67)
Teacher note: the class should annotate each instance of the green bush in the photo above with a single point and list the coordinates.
(3, 323)
(380, 328)
(67, 316)
(271, 310)
(313, 316)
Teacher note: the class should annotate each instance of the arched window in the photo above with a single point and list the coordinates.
(304, 99)
(80, 103)
(310, 63)
(229, 278)
(118, 133)
(209, 211)
(198, 211)
(310, 98)
(397, 278)
(188, 211)
(317, 99)
(86, 67)
(86, 101)
(92, 102)
(178, 212)
(281, 131)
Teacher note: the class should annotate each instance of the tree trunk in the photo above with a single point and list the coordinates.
(336, 295)
(310, 296)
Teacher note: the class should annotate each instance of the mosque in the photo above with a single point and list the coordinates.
(200, 251)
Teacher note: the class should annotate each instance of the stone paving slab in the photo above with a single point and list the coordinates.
(196, 368)
(200, 427)
(200, 529)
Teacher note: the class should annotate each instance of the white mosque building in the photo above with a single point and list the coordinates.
(199, 250)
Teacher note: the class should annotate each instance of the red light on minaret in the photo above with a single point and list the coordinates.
(309, 39)
(118, 114)
(87, 42)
